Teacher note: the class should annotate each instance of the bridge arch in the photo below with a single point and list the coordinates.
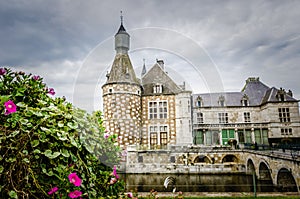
(250, 168)
(202, 159)
(286, 181)
(230, 158)
(265, 177)
(264, 171)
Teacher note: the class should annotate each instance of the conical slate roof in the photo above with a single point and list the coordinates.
(121, 29)
(122, 70)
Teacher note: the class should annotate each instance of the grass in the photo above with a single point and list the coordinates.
(228, 197)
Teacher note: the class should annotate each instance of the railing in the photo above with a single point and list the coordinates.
(239, 125)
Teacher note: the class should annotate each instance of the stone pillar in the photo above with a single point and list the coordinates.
(252, 135)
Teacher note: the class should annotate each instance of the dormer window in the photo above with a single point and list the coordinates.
(245, 100)
(158, 88)
(281, 95)
(199, 102)
(221, 101)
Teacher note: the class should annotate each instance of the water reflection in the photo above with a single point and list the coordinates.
(197, 183)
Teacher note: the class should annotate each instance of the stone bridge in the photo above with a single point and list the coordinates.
(278, 168)
(281, 168)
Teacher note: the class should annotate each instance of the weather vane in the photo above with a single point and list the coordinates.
(121, 16)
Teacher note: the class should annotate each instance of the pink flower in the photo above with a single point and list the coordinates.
(36, 77)
(114, 173)
(73, 178)
(106, 135)
(113, 181)
(10, 107)
(75, 194)
(129, 195)
(2, 71)
(53, 190)
(51, 91)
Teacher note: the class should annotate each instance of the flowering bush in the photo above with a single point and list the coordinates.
(49, 148)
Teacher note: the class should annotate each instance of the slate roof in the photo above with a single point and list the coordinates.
(254, 90)
(156, 75)
(272, 96)
(122, 71)
(212, 99)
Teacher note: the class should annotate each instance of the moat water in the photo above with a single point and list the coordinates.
(197, 183)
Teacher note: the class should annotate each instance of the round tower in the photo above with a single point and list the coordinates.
(122, 94)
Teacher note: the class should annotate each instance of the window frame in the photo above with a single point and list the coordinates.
(158, 88)
(284, 114)
(158, 109)
(223, 118)
(199, 118)
(247, 117)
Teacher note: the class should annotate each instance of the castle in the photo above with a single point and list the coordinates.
(154, 112)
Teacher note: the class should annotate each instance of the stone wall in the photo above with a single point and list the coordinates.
(169, 121)
(122, 107)
(189, 160)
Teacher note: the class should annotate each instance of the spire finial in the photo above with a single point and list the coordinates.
(144, 70)
(121, 16)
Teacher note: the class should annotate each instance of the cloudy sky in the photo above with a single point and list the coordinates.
(211, 45)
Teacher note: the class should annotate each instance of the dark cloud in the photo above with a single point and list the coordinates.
(240, 38)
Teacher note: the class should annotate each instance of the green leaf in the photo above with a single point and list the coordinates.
(25, 152)
(36, 112)
(11, 159)
(35, 143)
(60, 168)
(42, 136)
(72, 125)
(1, 168)
(13, 194)
(44, 129)
(23, 121)
(60, 124)
(89, 148)
(50, 173)
(26, 160)
(4, 98)
(21, 104)
(19, 94)
(55, 154)
(13, 134)
(36, 151)
(62, 136)
(65, 153)
(48, 153)
(73, 142)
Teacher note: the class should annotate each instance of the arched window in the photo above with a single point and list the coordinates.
(199, 102)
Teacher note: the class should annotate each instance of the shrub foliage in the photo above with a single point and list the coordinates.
(46, 139)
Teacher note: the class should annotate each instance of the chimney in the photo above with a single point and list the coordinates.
(290, 93)
(161, 63)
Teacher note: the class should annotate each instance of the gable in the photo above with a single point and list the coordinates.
(157, 76)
